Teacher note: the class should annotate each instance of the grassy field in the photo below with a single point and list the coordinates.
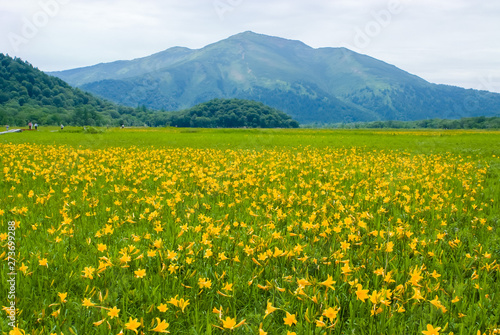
(198, 231)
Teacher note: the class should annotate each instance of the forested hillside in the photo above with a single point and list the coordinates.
(232, 113)
(28, 94)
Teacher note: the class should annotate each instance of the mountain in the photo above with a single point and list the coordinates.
(28, 94)
(311, 85)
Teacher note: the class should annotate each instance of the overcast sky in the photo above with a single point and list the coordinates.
(454, 42)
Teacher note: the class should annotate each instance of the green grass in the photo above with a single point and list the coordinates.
(284, 206)
(425, 141)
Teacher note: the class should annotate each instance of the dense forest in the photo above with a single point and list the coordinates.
(29, 95)
(232, 113)
(479, 122)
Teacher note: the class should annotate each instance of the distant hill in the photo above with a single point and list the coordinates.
(28, 94)
(322, 85)
(231, 113)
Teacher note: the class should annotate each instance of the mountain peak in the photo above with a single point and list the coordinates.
(312, 85)
(262, 38)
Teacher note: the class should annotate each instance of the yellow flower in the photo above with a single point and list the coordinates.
(375, 297)
(161, 327)
(140, 273)
(23, 268)
(431, 330)
(361, 294)
(290, 319)
(109, 229)
(43, 262)
(88, 272)
(417, 295)
(62, 296)
(415, 277)
(438, 304)
(182, 304)
(87, 303)
(388, 278)
(228, 287)
(132, 324)
(320, 323)
(98, 323)
(101, 247)
(218, 311)
(173, 301)
(328, 283)
(346, 269)
(172, 268)
(157, 244)
(303, 283)
(204, 282)
(113, 312)
(222, 256)
(171, 254)
(125, 258)
(17, 331)
(435, 275)
(269, 309)
(228, 323)
(162, 308)
(330, 313)
(345, 245)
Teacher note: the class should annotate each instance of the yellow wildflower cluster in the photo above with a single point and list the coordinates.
(269, 241)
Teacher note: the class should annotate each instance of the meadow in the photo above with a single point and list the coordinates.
(215, 231)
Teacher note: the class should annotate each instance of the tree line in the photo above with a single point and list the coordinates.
(480, 122)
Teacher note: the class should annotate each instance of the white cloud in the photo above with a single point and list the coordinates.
(444, 41)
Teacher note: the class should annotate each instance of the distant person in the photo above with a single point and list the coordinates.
(36, 126)
(62, 126)
(7, 126)
(123, 126)
(30, 125)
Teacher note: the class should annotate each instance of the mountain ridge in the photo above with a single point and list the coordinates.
(311, 85)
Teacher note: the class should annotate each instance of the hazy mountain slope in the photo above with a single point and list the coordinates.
(311, 85)
(123, 69)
